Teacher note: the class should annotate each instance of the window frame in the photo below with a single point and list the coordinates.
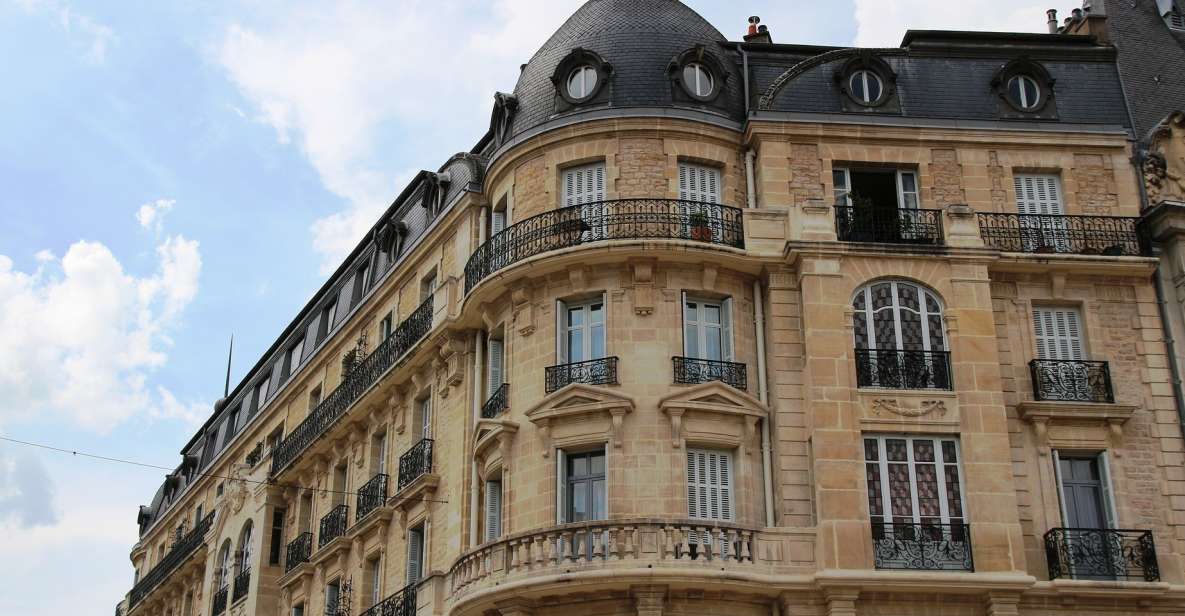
(923, 312)
(492, 509)
(563, 352)
(700, 71)
(701, 326)
(843, 197)
(1110, 510)
(564, 492)
(1021, 101)
(882, 463)
(866, 73)
(1041, 316)
(702, 501)
(587, 90)
(417, 539)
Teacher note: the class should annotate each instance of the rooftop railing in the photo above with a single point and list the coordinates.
(600, 221)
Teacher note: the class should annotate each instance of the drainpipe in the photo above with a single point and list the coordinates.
(766, 462)
(474, 489)
(750, 180)
(745, 74)
(1170, 345)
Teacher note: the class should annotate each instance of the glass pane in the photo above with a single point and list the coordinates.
(882, 295)
(954, 497)
(874, 86)
(935, 324)
(895, 450)
(923, 451)
(598, 342)
(857, 86)
(876, 501)
(861, 325)
(1014, 91)
(575, 345)
(596, 314)
(907, 296)
(578, 490)
(858, 301)
(689, 312)
(927, 490)
(948, 452)
(712, 344)
(871, 452)
(1030, 90)
(711, 314)
(839, 180)
(886, 330)
(899, 491)
(909, 182)
(578, 466)
(689, 78)
(911, 330)
(597, 466)
(598, 508)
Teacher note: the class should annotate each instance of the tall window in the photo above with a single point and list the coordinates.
(897, 315)
(1085, 490)
(1039, 201)
(298, 609)
(582, 331)
(261, 392)
(378, 454)
(428, 286)
(1058, 332)
(493, 509)
(415, 554)
(707, 329)
(496, 361)
(374, 579)
(277, 542)
(585, 186)
(913, 480)
(333, 592)
(423, 417)
(224, 565)
(582, 486)
(385, 327)
(245, 547)
(709, 485)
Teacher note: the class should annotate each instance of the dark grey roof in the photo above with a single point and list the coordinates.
(1151, 61)
(638, 38)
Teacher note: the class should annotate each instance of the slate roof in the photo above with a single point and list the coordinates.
(1151, 60)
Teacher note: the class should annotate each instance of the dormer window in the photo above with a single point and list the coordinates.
(698, 80)
(865, 86)
(582, 83)
(1024, 92)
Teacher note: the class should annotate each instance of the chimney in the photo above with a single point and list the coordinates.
(757, 33)
(1077, 13)
(1051, 14)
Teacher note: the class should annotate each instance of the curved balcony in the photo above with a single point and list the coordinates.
(181, 551)
(570, 549)
(601, 221)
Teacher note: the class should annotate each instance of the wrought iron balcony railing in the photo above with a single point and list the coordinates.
(415, 462)
(606, 220)
(220, 601)
(371, 495)
(402, 603)
(1083, 235)
(497, 403)
(180, 552)
(1101, 554)
(1067, 380)
(900, 226)
(241, 583)
(388, 354)
(692, 370)
(333, 525)
(601, 371)
(903, 369)
(925, 546)
(299, 551)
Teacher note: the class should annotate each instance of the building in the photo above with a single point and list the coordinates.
(704, 326)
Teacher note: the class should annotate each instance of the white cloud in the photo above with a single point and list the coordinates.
(82, 336)
(26, 491)
(346, 82)
(151, 215)
(882, 23)
(92, 37)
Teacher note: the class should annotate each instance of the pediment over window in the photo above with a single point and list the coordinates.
(579, 401)
(713, 413)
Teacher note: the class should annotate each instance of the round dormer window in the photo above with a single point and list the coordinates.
(698, 80)
(1024, 93)
(582, 82)
(865, 86)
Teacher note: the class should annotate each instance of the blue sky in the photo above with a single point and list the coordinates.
(174, 172)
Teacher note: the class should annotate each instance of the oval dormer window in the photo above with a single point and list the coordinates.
(698, 80)
(582, 82)
(1024, 92)
(865, 86)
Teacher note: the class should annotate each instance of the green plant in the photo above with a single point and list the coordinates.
(699, 219)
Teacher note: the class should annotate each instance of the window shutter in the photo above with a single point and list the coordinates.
(699, 183)
(426, 418)
(561, 485)
(1061, 493)
(726, 329)
(584, 184)
(415, 554)
(497, 223)
(1058, 332)
(1038, 194)
(493, 510)
(1108, 495)
(561, 335)
(709, 485)
(495, 363)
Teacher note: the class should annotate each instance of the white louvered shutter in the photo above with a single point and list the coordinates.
(415, 554)
(709, 485)
(584, 184)
(1058, 332)
(699, 183)
(495, 362)
(497, 223)
(1038, 194)
(493, 510)
(726, 329)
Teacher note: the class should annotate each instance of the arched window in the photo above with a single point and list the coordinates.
(245, 547)
(899, 337)
(224, 565)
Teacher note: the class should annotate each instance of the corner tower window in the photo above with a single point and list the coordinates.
(582, 82)
(698, 80)
(1024, 92)
(865, 86)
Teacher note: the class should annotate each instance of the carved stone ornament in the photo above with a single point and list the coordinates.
(924, 408)
(1164, 161)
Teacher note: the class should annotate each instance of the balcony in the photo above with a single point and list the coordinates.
(689, 370)
(891, 226)
(415, 462)
(370, 496)
(925, 546)
(497, 404)
(1063, 380)
(601, 221)
(299, 551)
(572, 549)
(359, 381)
(903, 369)
(242, 583)
(1101, 554)
(219, 601)
(333, 525)
(592, 372)
(181, 551)
(402, 603)
(1079, 235)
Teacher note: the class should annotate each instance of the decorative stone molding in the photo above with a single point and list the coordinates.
(449, 366)
(922, 409)
(642, 271)
(704, 412)
(492, 448)
(553, 415)
(962, 226)
(709, 276)
(1106, 420)
(1163, 166)
(524, 309)
(817, 220)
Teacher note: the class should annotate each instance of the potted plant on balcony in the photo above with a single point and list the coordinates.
(700, 229)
